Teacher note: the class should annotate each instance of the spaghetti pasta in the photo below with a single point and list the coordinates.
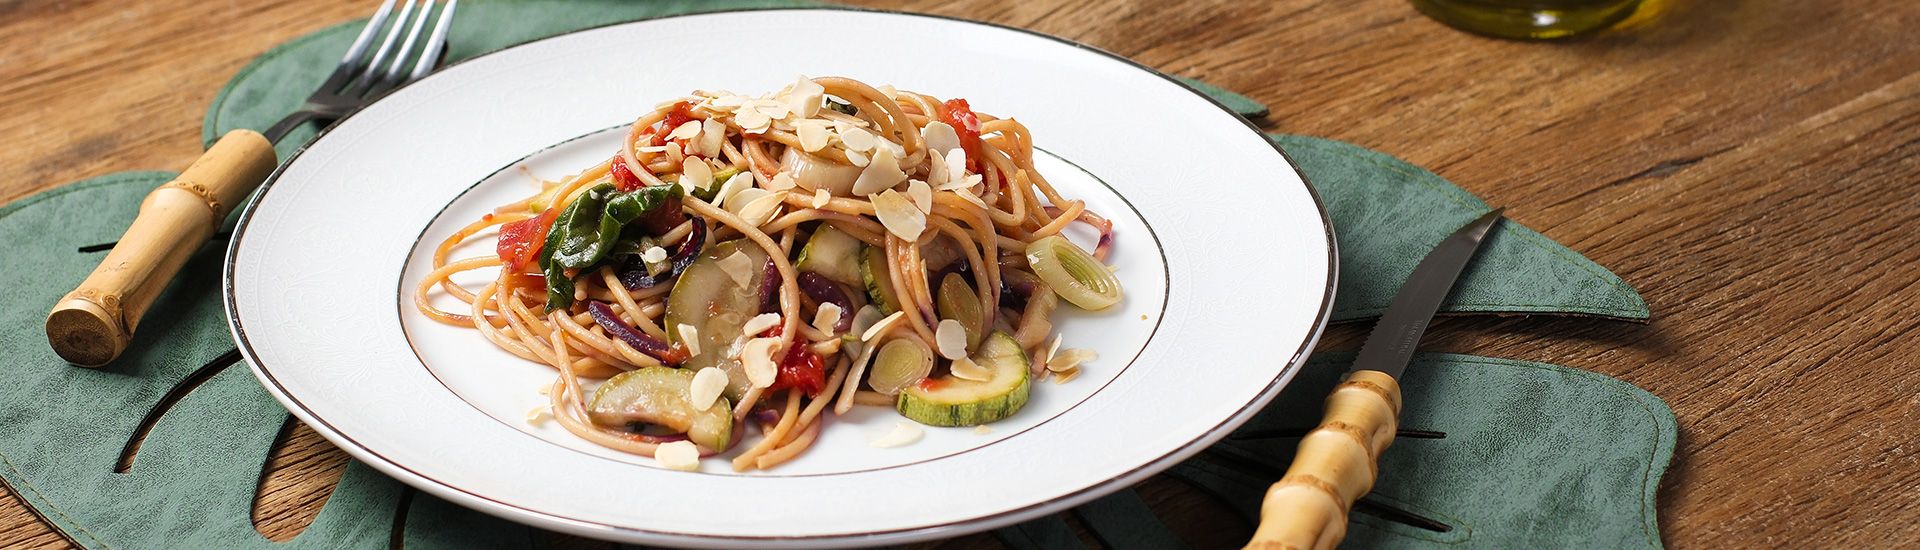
(714, 235)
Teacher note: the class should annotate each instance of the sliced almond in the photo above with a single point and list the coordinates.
(677, 455)
(1052, 348)
(951, 338)
(686, 130)
(690, 337)
(654, 255)
(879, 326)
(763, 209)
(760, 323)
(883, 173)
(857, 158)
(857, 139)
(739, 267)
(814, 135)
(937, 175)
(825, 318)
(903, 433)
(695, 174)
(1070, 359)
(539, 415)
(756, 357)
(940, 137)
(707, 386)
(781, 181)
(821, 197)
(651, 149)
(806, 97)
(752, 121)
(739, 181)
(899, 215)
(965, 369)
(712, 134)
(1061, 377)
(956, 165)
(738, 202)
(921, 194)
(887, 90)
(982, 429)
(970, 197)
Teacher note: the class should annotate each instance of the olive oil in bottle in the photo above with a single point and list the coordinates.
(1528, 19)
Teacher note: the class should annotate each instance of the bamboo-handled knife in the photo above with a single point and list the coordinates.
(1339, 460)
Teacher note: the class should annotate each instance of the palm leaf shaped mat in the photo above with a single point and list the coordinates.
(164, 447)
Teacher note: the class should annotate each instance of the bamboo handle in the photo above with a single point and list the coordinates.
(1336, 465)
(92, 325)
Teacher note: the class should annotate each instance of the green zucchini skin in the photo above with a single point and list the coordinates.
(954, 402)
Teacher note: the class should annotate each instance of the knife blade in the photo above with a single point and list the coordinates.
(1338, 461)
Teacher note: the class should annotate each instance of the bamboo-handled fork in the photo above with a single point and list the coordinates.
(91, 325)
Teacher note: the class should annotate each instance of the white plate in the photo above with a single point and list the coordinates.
(1224, 250)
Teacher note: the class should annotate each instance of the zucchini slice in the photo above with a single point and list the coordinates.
(952, 401)
(661, 396)
(834, 255)
(874, 274)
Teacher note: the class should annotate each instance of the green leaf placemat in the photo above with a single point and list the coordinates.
(190, 484)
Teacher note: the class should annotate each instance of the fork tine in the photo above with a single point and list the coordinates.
(372, 68)
(365, 39)
(406, 46)
(351, 63)
(436, 44)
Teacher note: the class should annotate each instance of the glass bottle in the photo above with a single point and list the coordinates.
(1528, 19)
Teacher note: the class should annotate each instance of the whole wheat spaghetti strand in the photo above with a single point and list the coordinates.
(772, 438)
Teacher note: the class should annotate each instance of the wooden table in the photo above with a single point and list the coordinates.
(1752, 167)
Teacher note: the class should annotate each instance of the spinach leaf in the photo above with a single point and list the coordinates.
(575, 237)
(588, 231)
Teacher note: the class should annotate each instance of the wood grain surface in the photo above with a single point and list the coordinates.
(1750, 165)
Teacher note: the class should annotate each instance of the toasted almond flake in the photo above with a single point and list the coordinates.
(740, 199)
(686, 130)
(690, 337)
(739, 267)
(937, 175)
(951, 338)
(1070, 359)
(806, 97)
(651, 149)
(899, 215)
(940, 137)
(883, 173)
(752, 121)
(857, 139)
(921, 194)
(903, 433)
(674, 153)
(539, 415)
(1052, 348)
(761, 210)
(887, 90)
(899, 151)
(781, 181)
(970, 197)
(864, 319)
(729, 101)
(760, 323)
(843, 123)
(695, 174)
(821, 197)
(1061, 377)
(965, 369)
(827, 316)
(857, 158)
(668, 104)
(740, 181)
(775, 110)
(814, 135)
(956, 165)
(712, 134)
(677, 455)
(756, 357)
(707, 386)
(654, 255)
(879, 326)
(982, 429)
